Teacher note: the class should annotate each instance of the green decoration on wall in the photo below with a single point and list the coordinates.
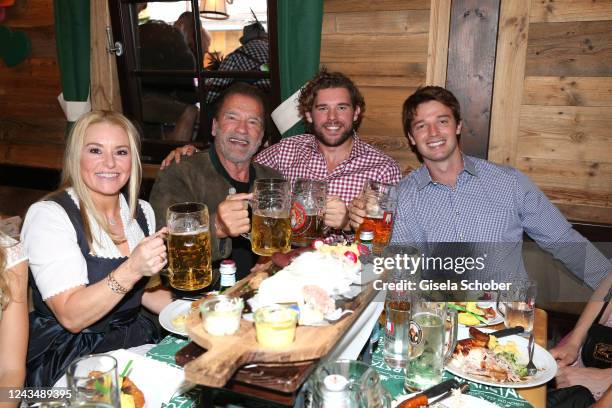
(15, 46)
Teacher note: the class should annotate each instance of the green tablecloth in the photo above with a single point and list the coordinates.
(392, 379)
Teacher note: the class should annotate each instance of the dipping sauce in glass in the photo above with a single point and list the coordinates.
(221, 315)
(275, 326)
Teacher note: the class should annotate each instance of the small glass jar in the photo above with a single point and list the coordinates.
(221, 315)
(275, 326)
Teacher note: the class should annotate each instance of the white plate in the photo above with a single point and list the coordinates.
(158, 381)
(546, 364)
(170, 312)
(491, 322)
(462, 400)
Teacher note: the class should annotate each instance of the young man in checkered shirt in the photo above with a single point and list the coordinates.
(332, 108)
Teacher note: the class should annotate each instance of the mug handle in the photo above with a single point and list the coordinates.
(452, 337)
(386, 399)
(497, 304)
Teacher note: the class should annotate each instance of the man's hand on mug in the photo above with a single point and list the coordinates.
(356, 213)
(232, 217)
(175, 155)
(336, 214)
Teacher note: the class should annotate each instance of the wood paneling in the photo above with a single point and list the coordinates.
(33, 155)
(373, 48)
(578, 175)
(572, 91)
(570, 49)
(335, 6)
(382, 46)
(570, 10)
(509, 69)
(565, 133)
(471, 63)
(31, 122)
(387, 74)
(437, 50)
(552, 119)
(30, 14)
(383, 22)
(384, 110)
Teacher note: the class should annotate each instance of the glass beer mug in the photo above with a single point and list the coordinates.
(348, 384)
(189, 252)
(380, 203)
(432, 344)
(307, 211)
(271, 225)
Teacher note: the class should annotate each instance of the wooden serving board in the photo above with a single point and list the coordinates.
(225, 354)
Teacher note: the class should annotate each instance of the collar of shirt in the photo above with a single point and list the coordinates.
(424, 178)
(241, 187)
(358, 149)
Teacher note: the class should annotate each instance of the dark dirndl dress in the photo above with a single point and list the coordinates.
(52, 348)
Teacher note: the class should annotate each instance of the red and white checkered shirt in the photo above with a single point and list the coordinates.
(299, 157)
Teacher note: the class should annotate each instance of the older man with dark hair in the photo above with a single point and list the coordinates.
(208, 176)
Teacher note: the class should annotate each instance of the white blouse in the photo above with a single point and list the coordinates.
(50, 241)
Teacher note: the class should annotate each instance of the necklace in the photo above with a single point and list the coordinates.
(111, 221)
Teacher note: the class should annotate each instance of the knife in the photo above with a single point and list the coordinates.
(423, 398)
(507, 332)
(463, 388)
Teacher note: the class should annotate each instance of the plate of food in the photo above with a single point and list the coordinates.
(485, 359)
(477, 314)
(173, 317)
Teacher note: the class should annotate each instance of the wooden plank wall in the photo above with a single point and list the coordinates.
(382, 46)
(562, 139)
(30, 115)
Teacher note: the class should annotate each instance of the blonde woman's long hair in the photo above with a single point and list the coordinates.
(71, 173)
(5, 292)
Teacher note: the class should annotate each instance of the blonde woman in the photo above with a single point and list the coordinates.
(13, 314)
(92, 251)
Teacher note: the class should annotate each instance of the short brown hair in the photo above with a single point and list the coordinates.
(326, 80)
(427, 94)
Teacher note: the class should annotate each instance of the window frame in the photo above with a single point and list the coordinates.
(124, 21)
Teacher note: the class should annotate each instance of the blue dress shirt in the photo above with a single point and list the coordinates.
(492, 205)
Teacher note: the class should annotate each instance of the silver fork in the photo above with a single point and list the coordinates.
(531, 368)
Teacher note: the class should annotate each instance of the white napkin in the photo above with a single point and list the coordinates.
(158, 381)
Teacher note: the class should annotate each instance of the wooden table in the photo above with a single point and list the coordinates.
(535, 395)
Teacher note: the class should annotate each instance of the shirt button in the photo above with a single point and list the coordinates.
(456, 212)
(460, 236)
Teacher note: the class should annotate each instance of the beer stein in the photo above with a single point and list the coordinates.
(397, 314)
(307, 211)
(271, 225)
(189, 251)
(93, 381)
(432, 344)
(348, 383)
(380, 203)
